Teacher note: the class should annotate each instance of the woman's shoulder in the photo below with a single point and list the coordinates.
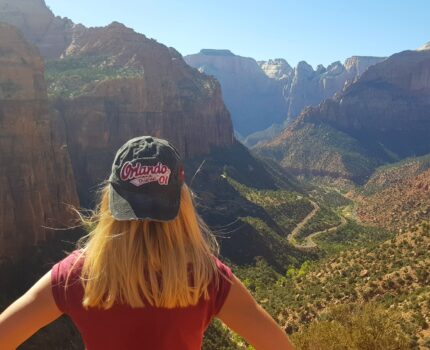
(65, 278)
(72, 263)
(222, 267)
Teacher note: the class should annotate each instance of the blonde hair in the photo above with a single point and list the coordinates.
(166, 264)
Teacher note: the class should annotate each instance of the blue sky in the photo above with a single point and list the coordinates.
(316, 31)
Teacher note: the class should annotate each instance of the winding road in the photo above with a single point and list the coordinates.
(309, 243)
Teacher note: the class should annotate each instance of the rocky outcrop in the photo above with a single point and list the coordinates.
(277, 68)
(39, 25)
(388, 104)
(308, 87)
(254, 100)
(130, 86)
(269, 94)
(166, 98)
(36, 177)
(304, 86)
(381, 117)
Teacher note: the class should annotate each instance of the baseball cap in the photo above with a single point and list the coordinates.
(146, 180)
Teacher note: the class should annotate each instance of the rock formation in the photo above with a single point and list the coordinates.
(389, 103)
(270, 94)
(132, 86)
(165, 98)
(254, 100)
(39, 25)
(381, 117)
(308, 87)
(277, 68)
(36, 177)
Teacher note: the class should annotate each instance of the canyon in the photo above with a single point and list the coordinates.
(264, 96)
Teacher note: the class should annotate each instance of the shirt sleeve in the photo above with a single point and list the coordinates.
(60, 275)
(225, 277)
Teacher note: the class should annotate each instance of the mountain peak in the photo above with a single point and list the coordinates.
(215, 52)
(118, 26)
(38, 24)
(277, 68)
(424, 47)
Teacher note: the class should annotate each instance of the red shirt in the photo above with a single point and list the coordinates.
(123, 327)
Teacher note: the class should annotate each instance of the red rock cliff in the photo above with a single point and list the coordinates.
(36, 177)
(165, 98)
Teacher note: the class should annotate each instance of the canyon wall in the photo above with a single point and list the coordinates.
(36, 176)
(254, 100)
(262, 96)
(162, 96)
(383, 116)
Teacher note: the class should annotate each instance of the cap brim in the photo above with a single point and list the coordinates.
(127, 205)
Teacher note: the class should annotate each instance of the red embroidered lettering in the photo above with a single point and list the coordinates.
(139, 174)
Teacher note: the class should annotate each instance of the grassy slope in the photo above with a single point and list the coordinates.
(394, 274)
(315, 148)
(397, 196)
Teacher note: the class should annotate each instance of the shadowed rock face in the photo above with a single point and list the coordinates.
(390, 104)
(383, 116)
(308, 87)
(254, 100)
(166, 98)
(36, 177)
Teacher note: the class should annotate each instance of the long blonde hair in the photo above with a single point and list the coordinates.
(129, 262)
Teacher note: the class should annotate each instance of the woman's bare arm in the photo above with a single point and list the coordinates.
(243, 315)
(34, 310)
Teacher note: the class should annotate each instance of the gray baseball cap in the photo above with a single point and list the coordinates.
(146, 180)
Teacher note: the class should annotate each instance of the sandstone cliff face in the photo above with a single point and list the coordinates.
(167, 98)
(388, 104)
(308, 87)
(36, 177)
(39, 25)
(277, 68)
(381, 117)
(270, 93)
(254, 100)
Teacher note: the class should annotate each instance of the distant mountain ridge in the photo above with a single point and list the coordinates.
(247, 91)
(381, 117)
(260, 94)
